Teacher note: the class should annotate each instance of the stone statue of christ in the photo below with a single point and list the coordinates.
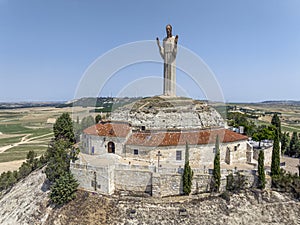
(168, 52)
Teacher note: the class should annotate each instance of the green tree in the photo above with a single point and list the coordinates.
(217, 167)
(98, 118)
(24, 170)
(63, 129)
(11, 179)
(31, 155)
(32, 160)
(87, 122)
(298, 149)
(79, 127)
(261, 170)
(275, 164)
(187, 173)
(264, 133)
(293, 148)
(58, 159)
(7, 180)
(285, 140)
(77, 131)
(235, 183)
(16, 174)
(73, 155)
(64, 189)
(238, 119)
(277, 123)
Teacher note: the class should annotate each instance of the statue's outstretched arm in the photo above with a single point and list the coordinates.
(175, 46)
(161, 49)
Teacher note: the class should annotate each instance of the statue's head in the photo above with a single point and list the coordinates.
(169, 30)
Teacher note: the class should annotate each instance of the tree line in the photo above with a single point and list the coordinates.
(280, 179)
(9, 178)
(57, 159)
(290, 144)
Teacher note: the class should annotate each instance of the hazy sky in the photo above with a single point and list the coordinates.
(252, 46)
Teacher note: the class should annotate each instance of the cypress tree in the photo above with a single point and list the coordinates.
(277, 123)
(275, 164)
(293, 144)
(261, 170)
(217, 168)
(285, 140)
(98, 118)
(187, 173)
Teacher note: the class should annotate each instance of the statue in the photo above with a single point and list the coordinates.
(168, 53)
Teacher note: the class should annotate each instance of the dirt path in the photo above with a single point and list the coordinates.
(12, 165)
(23, 141)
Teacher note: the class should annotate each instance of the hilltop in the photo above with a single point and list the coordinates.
(27, 203)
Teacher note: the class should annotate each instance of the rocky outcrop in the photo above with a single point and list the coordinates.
(27, 203)
(169, 113)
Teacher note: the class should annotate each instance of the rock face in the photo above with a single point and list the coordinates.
(169, 113)
(244, 208)
(27, 203)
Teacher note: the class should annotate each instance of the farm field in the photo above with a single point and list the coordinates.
(25, 129)
(289, 114)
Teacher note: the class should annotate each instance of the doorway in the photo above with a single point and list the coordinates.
(111, 147)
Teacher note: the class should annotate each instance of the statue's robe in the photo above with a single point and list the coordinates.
(168, 53)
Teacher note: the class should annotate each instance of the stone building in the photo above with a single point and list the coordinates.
(142, 147)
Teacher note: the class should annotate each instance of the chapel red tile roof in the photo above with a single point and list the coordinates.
(108, 129)
(180, 138)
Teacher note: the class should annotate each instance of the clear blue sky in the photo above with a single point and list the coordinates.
(252, 46)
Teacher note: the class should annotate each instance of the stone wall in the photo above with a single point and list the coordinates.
(99, 143)
(145, 179)
(200, 155)
(133, 180)
(238, 151)
(267, 155)
(92, 178)
(171, 184)
(107, 179)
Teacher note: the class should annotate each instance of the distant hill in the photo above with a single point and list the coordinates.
(281, 102)
(103, 104)
(18, 105)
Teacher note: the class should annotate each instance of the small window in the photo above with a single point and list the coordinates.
(214, 150)
(235, 148)
(178, 155)
(143, 128)
(135, 151)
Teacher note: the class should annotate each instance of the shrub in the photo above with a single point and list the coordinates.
(261, 170)
(187, 173)
(64, 189)
(216, 181)
(287, 182)
(236, 183)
